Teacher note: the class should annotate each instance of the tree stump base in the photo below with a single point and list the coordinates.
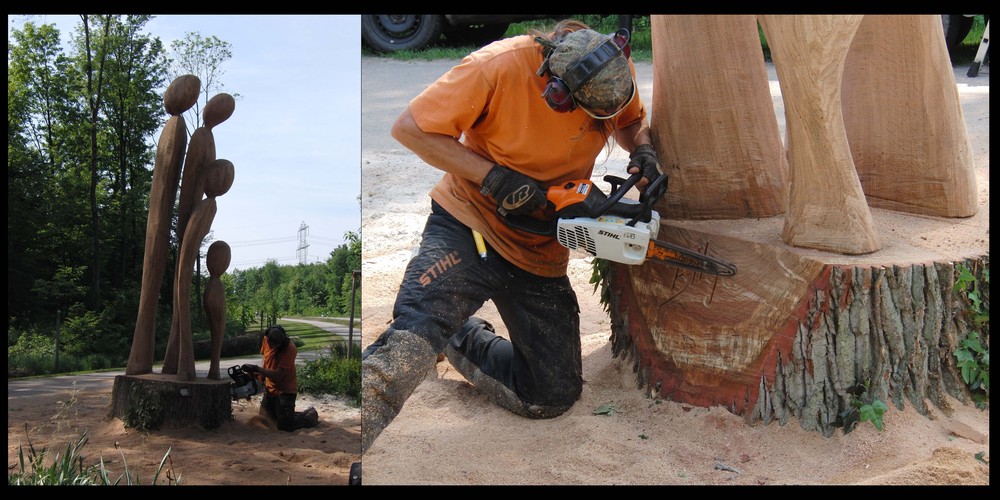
(796, 330)
(153, 400)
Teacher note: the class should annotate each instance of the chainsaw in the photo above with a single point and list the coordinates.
(580, 216)
(244, 385)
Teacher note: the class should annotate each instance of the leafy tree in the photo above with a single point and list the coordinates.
(202, 57)
(37, 97)
(350, 288)
(80, 122)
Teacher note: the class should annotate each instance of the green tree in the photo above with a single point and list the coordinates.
(133, 108)
(202, 57)
(353, 263)
(37, 98)
(80, 123)
(268, 292)
(94, 54)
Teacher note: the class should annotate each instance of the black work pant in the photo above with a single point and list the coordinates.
(281, 410)
(447, 282)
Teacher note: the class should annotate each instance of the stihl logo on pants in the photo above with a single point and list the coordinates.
(440, 267)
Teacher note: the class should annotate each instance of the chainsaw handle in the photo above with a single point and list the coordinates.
(545, 221)
(619, 187)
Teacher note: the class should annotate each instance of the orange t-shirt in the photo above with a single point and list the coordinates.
(492, 102)
(285, 359)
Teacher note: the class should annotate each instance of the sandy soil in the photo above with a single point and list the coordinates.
(243, 452)
(450, 434)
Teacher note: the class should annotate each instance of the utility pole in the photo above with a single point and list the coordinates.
(301, 251)
(355, 276)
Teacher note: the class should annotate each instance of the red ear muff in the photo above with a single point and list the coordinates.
(558, 96)
(621, 39)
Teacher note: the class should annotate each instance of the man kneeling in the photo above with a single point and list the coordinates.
(278, 370)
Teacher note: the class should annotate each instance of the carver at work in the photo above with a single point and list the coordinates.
(281, 388)
(512, 119)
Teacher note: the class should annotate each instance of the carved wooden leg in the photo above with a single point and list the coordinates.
(904, 120)
(713, 120)
(827, 209)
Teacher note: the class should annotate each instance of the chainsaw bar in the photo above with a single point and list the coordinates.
(674, 255)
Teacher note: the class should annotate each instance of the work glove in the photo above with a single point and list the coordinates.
(250, 368)
(514, 192)
(644, 157)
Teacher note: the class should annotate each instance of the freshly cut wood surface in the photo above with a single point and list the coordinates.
(715, 128)
(827, 209)
(907, 132)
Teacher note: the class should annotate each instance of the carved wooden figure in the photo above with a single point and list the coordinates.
(827, 209)
(201, 153)
(716, 133)
(179, 97)
(904, 121)
(217, 260)
(218, 178)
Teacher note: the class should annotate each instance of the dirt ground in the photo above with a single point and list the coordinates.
(240, 453)
(450, 434)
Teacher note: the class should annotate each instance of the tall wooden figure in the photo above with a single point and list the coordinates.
(218, 178)
(201, 153)
(179, 97)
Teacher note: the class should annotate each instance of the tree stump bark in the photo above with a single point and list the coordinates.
(796, 328)
(153, 401)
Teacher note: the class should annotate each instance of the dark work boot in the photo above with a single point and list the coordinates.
(497, 391)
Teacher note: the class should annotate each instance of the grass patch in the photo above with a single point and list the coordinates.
(337, 373)
(71, 469)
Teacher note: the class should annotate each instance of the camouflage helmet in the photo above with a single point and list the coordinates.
(604, 87)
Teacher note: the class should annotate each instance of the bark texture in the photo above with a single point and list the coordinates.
(154, 401)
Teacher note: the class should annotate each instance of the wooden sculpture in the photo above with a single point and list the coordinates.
(217, 260)
(175, 397)
(179, 97)
(833, 291)
(201, 153)
(218, 178)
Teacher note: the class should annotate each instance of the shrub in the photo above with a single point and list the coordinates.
(332, 375)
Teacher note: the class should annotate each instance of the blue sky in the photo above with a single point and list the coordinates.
(295, 136)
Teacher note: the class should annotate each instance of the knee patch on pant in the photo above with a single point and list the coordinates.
(389, 374)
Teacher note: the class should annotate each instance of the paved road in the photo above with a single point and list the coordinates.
(64, 385)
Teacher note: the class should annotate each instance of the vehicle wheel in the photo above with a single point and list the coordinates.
(476, 35)
(391, 33)
(956, 28)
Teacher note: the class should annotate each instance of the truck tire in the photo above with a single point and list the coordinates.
(392, 33)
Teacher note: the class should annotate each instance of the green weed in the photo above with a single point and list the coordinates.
(69, 469)
(973, 353)
(862, 408)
